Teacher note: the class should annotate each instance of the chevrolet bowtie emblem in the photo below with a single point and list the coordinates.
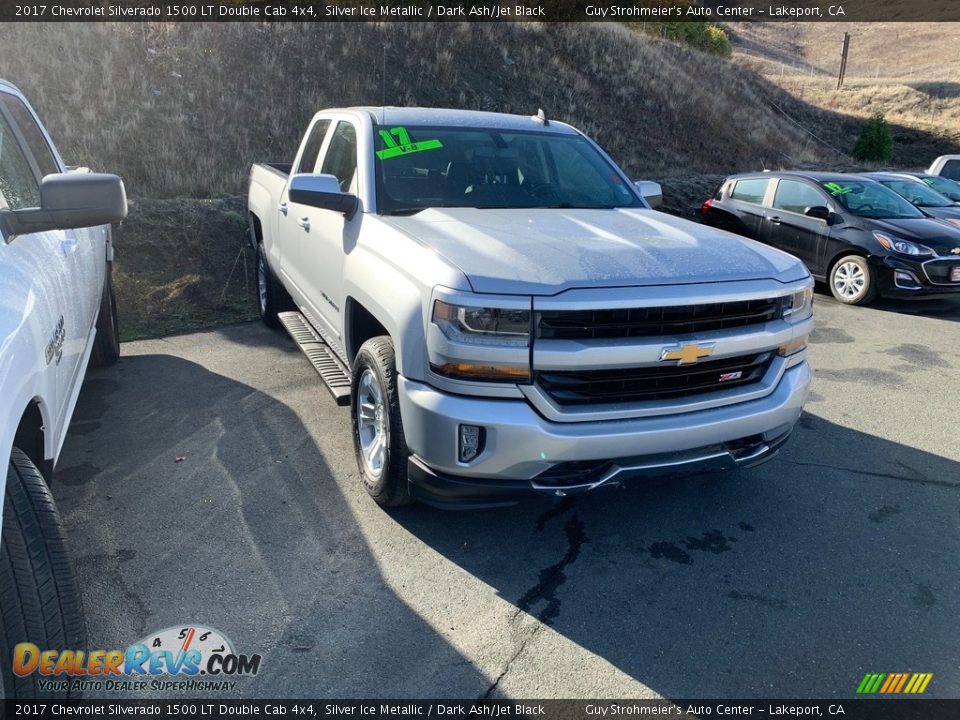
(687, 354)
(956, 251)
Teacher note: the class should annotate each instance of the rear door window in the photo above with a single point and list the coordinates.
(311, 151)
(751, 190)
(341, 158)
(795, 196)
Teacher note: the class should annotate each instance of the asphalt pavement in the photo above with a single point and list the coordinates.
(209, 479)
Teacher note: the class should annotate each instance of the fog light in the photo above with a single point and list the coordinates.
(472, 440)
(906, 280)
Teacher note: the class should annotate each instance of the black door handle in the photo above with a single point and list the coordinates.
(775, 219)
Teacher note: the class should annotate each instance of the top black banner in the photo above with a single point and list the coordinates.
(479, 11)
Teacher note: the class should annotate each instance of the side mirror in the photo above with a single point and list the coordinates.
(650, 191)
(322, 191)
(68, 201)
(820, 212)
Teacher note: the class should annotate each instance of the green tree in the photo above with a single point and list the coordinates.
(875, 143)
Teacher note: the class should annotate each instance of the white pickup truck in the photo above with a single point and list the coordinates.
(505, 314)
(57, 314)
(947, 166)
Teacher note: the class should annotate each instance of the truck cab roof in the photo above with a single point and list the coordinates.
(443, 117)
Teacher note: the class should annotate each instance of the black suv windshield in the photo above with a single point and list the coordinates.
(425, 167)
(870, 199)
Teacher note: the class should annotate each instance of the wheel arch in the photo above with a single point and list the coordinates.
(256, 228)
(31, 436)
(360, 325)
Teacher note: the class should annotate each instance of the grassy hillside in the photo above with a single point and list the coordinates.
(908, 71)
(181, 111)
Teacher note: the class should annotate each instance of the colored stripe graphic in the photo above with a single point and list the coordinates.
(891, 680)
(870, 683)
(903, 681)
(894, 683)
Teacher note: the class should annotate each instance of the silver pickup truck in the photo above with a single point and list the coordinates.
(506, 315)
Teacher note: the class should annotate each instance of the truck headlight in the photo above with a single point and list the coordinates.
(482, 325)
(799, 306)
(502, 333)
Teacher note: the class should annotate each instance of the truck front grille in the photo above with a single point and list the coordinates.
(624, 385)
(655, 321)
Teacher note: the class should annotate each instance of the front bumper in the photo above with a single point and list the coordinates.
(899, 277)
(523, 450)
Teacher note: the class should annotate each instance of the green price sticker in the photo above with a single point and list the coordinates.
(837, 189)
(397, 141)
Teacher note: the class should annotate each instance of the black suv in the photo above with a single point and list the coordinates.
(852, 232)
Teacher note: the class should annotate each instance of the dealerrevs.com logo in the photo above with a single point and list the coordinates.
(182, 652)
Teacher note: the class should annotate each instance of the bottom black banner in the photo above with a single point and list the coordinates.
(852, 709)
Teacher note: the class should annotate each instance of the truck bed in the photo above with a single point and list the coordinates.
(282, 169)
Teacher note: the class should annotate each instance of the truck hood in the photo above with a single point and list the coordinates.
(544, 251)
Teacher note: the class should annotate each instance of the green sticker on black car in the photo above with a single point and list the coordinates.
(837, 188)
(397, 141)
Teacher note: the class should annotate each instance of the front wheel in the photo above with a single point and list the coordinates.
(39, 600)
(851, 280)
(378, 441)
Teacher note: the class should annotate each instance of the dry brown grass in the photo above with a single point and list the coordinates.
(183, 110)
(182, 264)
(908, 71)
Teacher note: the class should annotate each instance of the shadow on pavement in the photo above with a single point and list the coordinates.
(218, 508)
(215, 505)
(793, 579)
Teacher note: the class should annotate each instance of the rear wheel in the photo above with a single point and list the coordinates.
(851, 280)
(378, 441)
(39, 600)
(272, 297)
(106, 343)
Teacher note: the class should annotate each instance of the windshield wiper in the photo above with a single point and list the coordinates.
(407, 211)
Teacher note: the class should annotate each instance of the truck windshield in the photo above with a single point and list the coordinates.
(428, 167)
(870, 199)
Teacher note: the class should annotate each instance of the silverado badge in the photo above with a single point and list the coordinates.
(956, 251)
(55, 346)
(689, 354)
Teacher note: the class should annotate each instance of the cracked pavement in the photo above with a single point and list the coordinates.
(793, 579)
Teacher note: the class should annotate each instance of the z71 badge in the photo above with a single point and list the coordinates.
(55, 346)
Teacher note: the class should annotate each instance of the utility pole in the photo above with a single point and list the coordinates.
(843, 59)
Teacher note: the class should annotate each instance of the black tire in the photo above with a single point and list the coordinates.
(388, 486)
(272, 297)
(106, 343)
(851, 280)
(39, 600)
